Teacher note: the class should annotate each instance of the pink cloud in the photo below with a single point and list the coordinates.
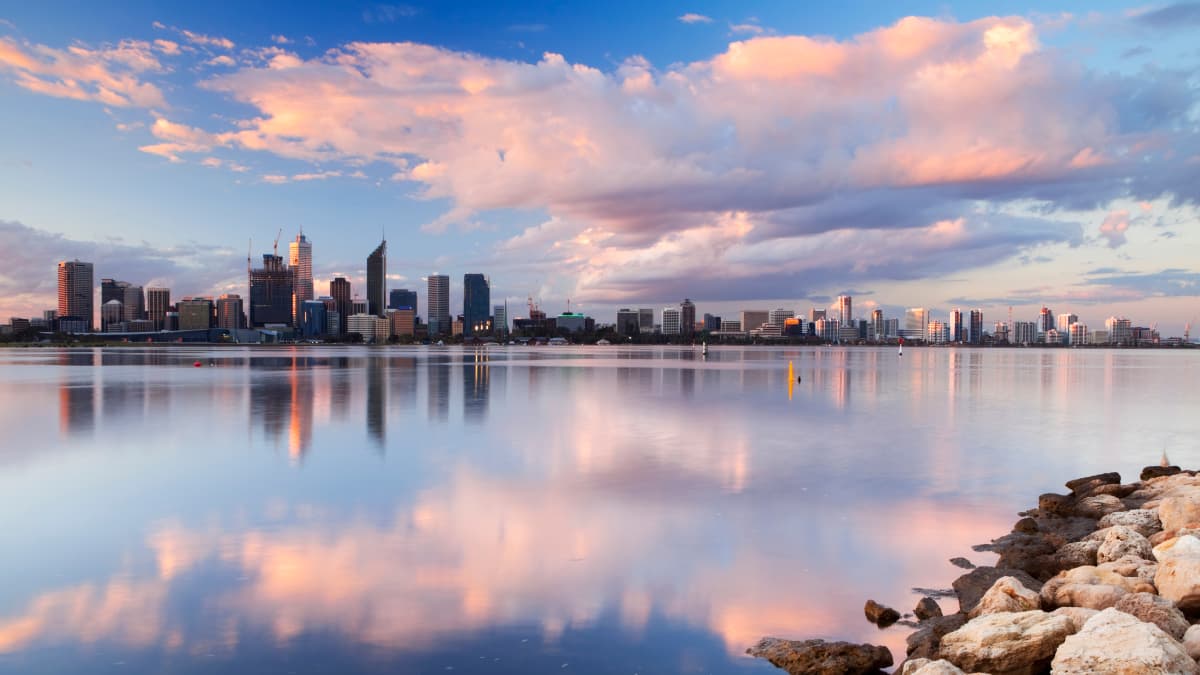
(110, 75)
(1113, 228)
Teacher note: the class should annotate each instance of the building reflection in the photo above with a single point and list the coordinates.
(76, 407)
(476, 371)
(377, 400)
(437, 382)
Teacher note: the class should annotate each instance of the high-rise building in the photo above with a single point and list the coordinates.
(359, 306)
(75, 291)
(627, 322)
(777, 317)
(1024, 332)
(132, 298)
(230, 314)
(377, 280)
(712, 323)
(438, 301)
(111, 316)
(645, 320)
(670, 321)
(300, 262)
(1000, 332)
(197, 313)
(877, 330)
(1078, 333)
(402, 321)
(754, 318)
(314, 319)
(270, 293)
(477, 303)
(827, 329)
(956, 326)
(1120, 330)
(916, 320)
(845, 309)
(500, 320)
(1045, 320)
(1064, 321)
(372, 328)
(402, 298)
(687, 317)
(814, 314)
(339, 290)
(937, 332)
(158, 301)
(976, 331)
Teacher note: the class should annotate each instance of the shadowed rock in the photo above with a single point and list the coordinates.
(819, 657)
(880, 615)
(927, 608)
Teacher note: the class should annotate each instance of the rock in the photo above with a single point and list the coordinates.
(1053, 504)
(880, 615)
(1178, 580)
(1187, 546)
(1076, 554)
(1122, 541)
(971, 586)
(925, 641)
(927, 667)
(1179, 508)
(1098, 506)
(1077, 615)
(1090, 587)
(819, 656)
(1143, 521)
(1115, 642)
(1157, 471)
(1138, 570)
(962, 563)
(1026, 525)
(927, 608)
(1006, 595)
(1020, 643)
(1111, 477)
(1061, 531)
(1191, 641)
(1156, 610)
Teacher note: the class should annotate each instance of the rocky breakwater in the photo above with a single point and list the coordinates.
(1103, 579)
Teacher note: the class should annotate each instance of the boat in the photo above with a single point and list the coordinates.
(602, 342)
(901, 352)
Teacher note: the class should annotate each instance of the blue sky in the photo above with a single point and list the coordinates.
(741, 154)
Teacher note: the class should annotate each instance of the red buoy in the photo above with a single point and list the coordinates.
(196, 364)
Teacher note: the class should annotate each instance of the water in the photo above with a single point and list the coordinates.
(526, 510)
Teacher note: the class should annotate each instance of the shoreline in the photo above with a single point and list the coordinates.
(1102, 579)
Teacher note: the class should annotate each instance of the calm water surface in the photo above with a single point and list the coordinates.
(592, 510)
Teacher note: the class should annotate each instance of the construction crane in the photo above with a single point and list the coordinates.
(1187, 331)
(277, 236)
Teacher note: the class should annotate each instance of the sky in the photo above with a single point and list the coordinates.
(617, 154)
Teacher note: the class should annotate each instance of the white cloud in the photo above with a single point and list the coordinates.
(207, 40)
(692, 17)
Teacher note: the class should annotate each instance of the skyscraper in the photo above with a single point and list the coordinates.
(270, 293)
(339, 290)
(627, 322)
(230, 314)
(845, 309)
(110, 315)
(916, 321)
(500, 320)
(815, 315)
(687, 317)
(645, 320)
(438, 299)
(670, 321)
(377, 280)
(878, 331)
(75, 291)
(477, 302)
(956, 326)
(976, 335)
(158, 301)
(402, 298)
(300, 262)
(196, 313)
(1045, 320)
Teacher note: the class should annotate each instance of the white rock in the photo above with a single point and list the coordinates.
(1179, 507)
(1087, 586)
(1007, 595)
(1186, 546)
(1077, 615)
(1191, 641)
(927, 667)
(1144, 521)
(1122, 541)
(1115, 642)
(1178, 580)
(1014, 643)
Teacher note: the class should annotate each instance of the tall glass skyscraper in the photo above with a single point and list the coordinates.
(845, 309)
(377, 280)
(477, 304)
(300, 262)
(439, 304)
(75, 291)
(158, 301)
(402, 298)
(339, 290)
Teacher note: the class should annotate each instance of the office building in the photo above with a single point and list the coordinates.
(670, 321)
(158, 301)
(891, 328)
(360, 306)
(111, 314)
(1024, 332)
(645, 320)
(845, 309)
(1077, 333)
(627, 322)
(687, 318)
(1000, 332)
(477, 304)
(731, 326)
(1045, 320)
(814, 314)
(956, 326)
(75, 292)
(827, 329)
(1063, 322)
(339, 290)
(314, 319)
(197, 313)
(438, 300)
(377, 280)
(1053, 337)
(456, 326)
(500, 320)
(231, 314)
(937, 332)
(300, 262)
(373, 329)
(333, 322)
(916, 321)
(402, 298)
(777, 317)
(877, 330)
(402, 321)
(975, 335)
(754, 318)
(270, 293)
(1120, 330)
(573, 322)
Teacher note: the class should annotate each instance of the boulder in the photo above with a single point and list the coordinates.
(1076, 554)
(821, 657)
(962, 563)
(1178, 580)
(1026, 525)
(927, 667)
(1144, 521)
(1187, 546)
(924, 642)
(1137, 570)
(1191, 641)
(1115, 642)
(1179, 507)
(1156, 610)
(971, 586)
(1077, 615)
(1089, 587)
(1054, 504)
(880, 615)
(1159, 471)
(927, 608)
(1006, 595)
(1008, 643)
(1112, 477)
(1098, 506)
(1122, 541)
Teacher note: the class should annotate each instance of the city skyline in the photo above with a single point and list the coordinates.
(1021, 162)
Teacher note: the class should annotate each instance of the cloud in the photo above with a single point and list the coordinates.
(751, 28)
(221, 60)
(1132, 52)
(692, 17)
(1113, 228)
(281, 40)
(207, 40)
(110, 74)
(1177, 15)
(28, 283)
(385, 13)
